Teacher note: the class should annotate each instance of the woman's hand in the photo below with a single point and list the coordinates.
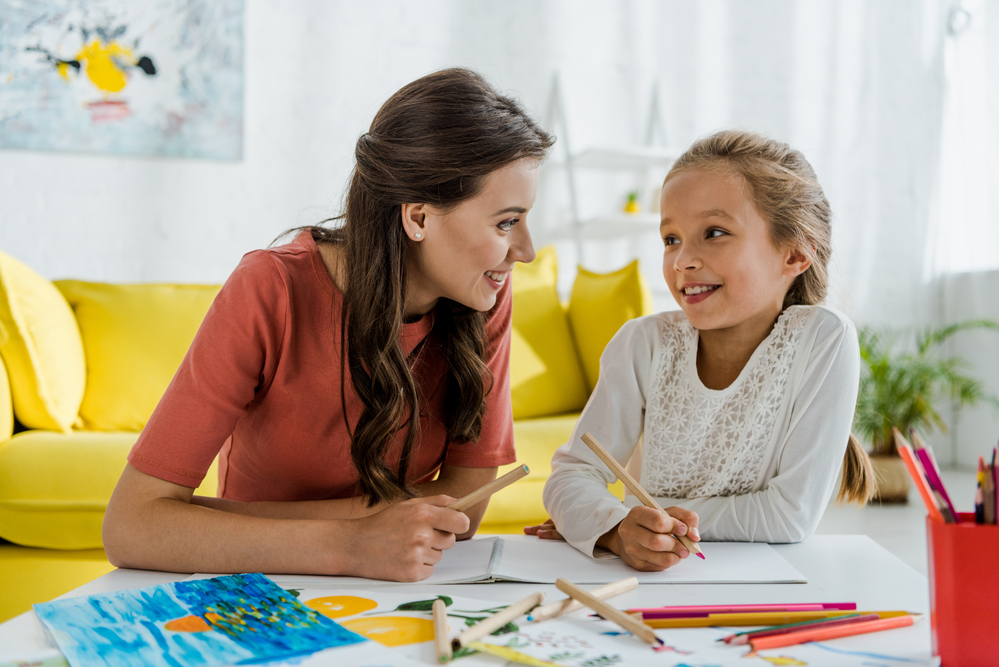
(402, 542)
(546, 531)
(644, 539)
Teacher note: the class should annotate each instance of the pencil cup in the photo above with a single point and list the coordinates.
(964, 591)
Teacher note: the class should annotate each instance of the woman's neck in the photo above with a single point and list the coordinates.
(723, 353)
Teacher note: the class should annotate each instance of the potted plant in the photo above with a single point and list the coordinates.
(901, 387)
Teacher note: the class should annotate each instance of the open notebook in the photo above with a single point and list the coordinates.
(542, 561)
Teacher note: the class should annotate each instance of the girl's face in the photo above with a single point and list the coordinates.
(719, 262)
(466, 254)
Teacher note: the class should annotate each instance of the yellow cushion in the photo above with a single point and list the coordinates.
(600, 304)
(134, 337)
(54, 487)
(543, 329)
(41, 345)
(521, 504)
(6, 409)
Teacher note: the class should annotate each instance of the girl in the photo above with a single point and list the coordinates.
(746, 396)
(339, 373)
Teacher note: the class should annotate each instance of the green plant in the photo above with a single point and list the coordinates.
(901, 387)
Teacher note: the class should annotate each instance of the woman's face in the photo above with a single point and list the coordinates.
(466, 254)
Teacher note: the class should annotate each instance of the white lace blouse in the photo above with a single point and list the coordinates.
(757, 460)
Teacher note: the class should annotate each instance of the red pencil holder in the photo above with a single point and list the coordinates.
(964, 592)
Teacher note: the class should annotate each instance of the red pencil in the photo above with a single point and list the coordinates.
(786, 630)
(793, 638)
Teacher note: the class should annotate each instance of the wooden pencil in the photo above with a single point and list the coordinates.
(820, 634)
(496, 621)
(569, 605)
(480, 494)
(636, 488)
(746, 637)
(635, 627)
(441, 639)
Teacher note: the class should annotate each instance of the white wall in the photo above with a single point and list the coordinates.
(858, 86)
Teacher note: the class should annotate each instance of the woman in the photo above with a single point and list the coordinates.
(316, 355)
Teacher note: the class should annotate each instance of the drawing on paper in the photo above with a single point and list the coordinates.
(392, 630)
(162, 78)
(224, 620)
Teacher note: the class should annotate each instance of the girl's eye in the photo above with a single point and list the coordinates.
(671, 240)
(506, 225)
(715, 233)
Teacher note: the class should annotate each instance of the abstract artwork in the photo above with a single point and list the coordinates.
(163, 77)
(224, 620)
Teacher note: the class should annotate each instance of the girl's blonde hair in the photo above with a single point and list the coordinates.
(787, 194)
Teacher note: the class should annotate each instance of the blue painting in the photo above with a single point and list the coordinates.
(234, 619)
(143, 78)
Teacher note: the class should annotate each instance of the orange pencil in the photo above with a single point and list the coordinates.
(792, 638)
(918, 478)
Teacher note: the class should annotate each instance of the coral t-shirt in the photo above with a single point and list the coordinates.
(261, 383)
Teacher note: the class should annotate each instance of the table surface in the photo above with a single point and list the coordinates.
(839, 568)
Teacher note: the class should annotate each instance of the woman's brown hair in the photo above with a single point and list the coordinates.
(787, 194)
(433, 142)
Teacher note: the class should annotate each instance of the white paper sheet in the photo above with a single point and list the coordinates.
(544, 561)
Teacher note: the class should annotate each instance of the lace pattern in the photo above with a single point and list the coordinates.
(700, 443)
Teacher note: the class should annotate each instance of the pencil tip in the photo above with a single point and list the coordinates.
(701, 556)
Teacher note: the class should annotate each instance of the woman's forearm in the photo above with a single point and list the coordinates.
(324, 510)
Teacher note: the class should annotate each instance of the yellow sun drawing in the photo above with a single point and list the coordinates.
(336, 606)
(392, 630)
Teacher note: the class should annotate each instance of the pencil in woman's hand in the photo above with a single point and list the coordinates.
(480, 494)
(636, 488)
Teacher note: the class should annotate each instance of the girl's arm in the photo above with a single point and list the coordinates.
(152, 524)
(453, 481)
(576, 494)
(809, 454)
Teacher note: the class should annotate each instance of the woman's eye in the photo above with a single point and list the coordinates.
(506, 225)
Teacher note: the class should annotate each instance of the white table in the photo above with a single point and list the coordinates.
(839, 568)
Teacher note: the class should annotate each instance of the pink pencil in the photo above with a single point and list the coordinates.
(747, 608)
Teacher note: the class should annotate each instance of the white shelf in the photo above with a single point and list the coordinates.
(620, 225)
(636, 157)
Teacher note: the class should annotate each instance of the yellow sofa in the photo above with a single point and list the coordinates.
(84, 364)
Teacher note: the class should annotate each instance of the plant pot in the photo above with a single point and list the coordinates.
(893, 479)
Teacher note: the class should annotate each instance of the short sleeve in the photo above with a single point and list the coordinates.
(231, 360)
(495, 445)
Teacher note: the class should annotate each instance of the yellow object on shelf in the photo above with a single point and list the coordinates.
(632, 205)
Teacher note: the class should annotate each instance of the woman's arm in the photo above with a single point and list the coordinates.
(152, 524)
(453, 481)
(809, 455)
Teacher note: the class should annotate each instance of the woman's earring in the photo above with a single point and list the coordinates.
(418, 234)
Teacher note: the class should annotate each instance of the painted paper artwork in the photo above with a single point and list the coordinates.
(225, 620)
(163, 77)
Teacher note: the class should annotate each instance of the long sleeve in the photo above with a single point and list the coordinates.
(576, 494)
(809, 451)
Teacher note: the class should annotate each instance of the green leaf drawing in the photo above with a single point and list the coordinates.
(509, 627)
(602, 661)
(294, 591)
(463, 652)
(566, 655)
(424, 605)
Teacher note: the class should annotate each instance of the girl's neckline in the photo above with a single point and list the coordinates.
(419, 328)
(691, 361)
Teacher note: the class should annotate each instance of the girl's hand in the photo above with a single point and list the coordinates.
(644, 539)
(402, 542)
(545, 531)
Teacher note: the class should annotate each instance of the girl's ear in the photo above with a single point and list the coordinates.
(414, 221)
(796, 262)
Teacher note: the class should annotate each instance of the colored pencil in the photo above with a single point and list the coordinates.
(701, 610)
(918, 478)
(569, 605)
(496, 621)
(636, 488)
(480, 494)
(441, 639)
(748, 637)
(932, 471)
(635, 627)
(763, 620)
(792, 638)
(728, 639)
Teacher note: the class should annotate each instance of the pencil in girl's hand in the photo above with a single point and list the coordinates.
(480, 494)
(636, 488)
